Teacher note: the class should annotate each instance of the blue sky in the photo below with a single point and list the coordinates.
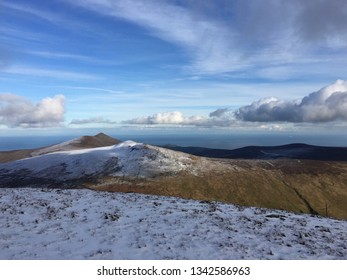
(221, 64)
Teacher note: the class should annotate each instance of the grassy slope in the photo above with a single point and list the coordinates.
(298, 186)
(99, 140)
(6, 156)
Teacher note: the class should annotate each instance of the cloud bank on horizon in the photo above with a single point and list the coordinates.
(325, 105)
(328, 104)
(94, 120)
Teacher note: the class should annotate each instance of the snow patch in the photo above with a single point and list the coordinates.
(64, 146)
(82, 224)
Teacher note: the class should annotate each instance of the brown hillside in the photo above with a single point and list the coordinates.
(292, 185)
(99, 140)
(84, 142)
(6, 156)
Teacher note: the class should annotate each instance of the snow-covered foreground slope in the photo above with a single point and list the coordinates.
(129, 159)
(84, 224)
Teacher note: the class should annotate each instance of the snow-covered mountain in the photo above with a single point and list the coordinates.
(127, 159)
(83, 224)
(315, 187)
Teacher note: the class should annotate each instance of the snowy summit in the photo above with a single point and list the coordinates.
(128, 159)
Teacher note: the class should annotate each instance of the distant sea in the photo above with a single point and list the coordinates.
(221, 141)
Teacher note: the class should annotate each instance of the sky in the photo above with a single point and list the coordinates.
(68, 65)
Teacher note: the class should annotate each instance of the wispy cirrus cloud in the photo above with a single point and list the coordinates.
(36, 10)
(17, 111)
(55, 17)
(70, 56)
(224, 36)
(39, 13)
(94, 89)
(49, 73)
(207, 39)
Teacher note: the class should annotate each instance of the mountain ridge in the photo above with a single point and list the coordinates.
(291, 151)
(302, 186)
(83, 142)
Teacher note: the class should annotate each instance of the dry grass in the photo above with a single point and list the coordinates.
(7, 156)
(297, 186)
(99, 140)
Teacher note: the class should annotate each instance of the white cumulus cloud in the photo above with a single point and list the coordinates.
(327, 104)
(174, 117)
(16, 111)
(178, 118)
